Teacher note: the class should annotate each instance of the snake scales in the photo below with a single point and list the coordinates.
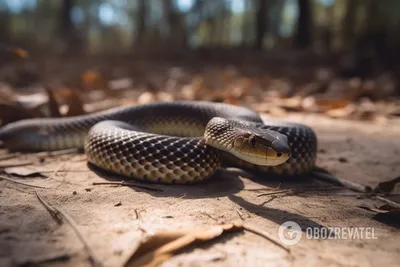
(178, 142)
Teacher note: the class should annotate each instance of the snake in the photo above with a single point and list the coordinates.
(172, 142)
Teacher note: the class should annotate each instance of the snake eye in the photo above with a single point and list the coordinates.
(253, 141)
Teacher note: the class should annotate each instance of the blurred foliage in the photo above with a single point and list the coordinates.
(336, 57)
(93, 26)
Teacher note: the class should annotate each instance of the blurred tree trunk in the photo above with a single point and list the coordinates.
(261, 23)
(245, 27)
(303, 36)
(67, 31)
(177, 34)
(140, 22)
(348, 23)
(5, 35)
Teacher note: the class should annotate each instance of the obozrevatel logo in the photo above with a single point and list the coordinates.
(289, 233)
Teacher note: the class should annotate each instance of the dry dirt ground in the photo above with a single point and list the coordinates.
(115, 219)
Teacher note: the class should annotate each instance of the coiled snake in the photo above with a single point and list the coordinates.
(179, 142)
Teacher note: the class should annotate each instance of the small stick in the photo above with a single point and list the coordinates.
(348, 184)
(389, 202)
(10, 156)
(58, 152)
(265, 235)
(47, 259)
(16, 164)
(21, 183)
(60, 214)
(55, 172)
(64, 170)
(122, 183)
(137, 214)
(240, 214)
(274, 193)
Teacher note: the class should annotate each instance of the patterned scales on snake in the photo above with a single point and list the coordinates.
(179, 142)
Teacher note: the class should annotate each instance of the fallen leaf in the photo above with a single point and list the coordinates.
(389, 186)
(165, 244)
(24, 171)
(73, 104)
(331, 103)
(20, 52)
(389, 217)
(52, 103)
(146, 97)
(92, 80)
(376, 210)
(341, 113)
(120, 84)
(291, 104)
(15, 50)
(164, 97)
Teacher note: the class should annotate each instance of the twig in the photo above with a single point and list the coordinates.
(21, 183)
(46, 259)
(268, 201)
(389, 202)
(65, 170)
(209, 216)
(53, 212)
(16, 164)
(58, 152)
(264, 189)
(336, 180)
(130, 184)
(10, 156)
(274, 193)
(240, 214)
(60, 214)
(137, 214)
(265, 235)
(55, 172)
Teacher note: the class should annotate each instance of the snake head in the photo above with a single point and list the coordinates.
(248, 142)
(268, 148)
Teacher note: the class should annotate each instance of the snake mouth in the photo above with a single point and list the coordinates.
(272, 154)
(268, 156)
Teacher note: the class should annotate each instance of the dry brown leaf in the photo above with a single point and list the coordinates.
(15, 50)
(232, 101)
(146, 97)
(391, 216)
(291, 104)
(54, 108)
(72, 102)
(21, 52)
(165, 97)
(120, 84)
(340, 113)
(389, 186)
(331, 103)
(165, 244)
(376, 210)
(270, 108)
(92, 80)
(24, 171)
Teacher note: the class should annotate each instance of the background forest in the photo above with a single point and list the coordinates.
(313, 55)
(98, 26)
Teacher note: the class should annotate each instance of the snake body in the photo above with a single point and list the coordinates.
(179, 142)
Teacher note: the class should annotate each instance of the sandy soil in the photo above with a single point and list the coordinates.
(115, 219)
